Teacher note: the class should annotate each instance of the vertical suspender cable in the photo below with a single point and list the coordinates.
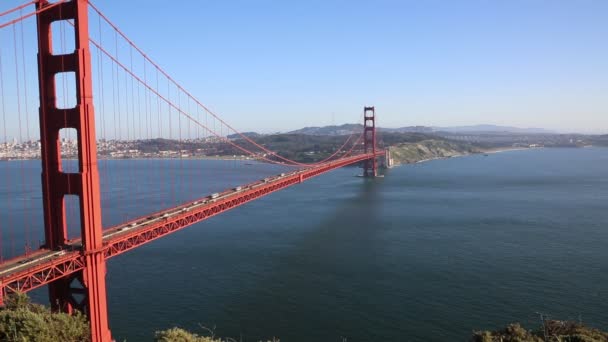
(20, 134)
(9, 220)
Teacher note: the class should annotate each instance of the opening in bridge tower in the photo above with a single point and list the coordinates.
(84, 290)
(369, 141)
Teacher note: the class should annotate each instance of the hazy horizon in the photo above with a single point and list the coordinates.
(459, 126)
(549, 131)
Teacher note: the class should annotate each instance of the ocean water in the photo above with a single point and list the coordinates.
(430, 252)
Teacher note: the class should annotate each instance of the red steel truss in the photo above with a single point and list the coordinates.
(47, 266)
(75, 270)
(89, 276)
(128, 241)
(56, 267)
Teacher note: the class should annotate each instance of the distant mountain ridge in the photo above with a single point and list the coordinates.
(491, 129)
(247, 134)
(346, 129)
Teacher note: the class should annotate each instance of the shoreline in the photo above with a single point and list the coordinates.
(507, 149)
(486, 152)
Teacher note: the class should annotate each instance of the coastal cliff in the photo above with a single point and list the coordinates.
(407, 153)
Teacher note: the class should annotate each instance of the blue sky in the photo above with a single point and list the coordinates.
(280, 65)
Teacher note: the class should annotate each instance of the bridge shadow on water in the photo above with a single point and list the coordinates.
(317, 289)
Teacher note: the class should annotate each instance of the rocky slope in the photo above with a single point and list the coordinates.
(406, 153)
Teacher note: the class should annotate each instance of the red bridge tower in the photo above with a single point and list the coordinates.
(369, 141)
(84, 290)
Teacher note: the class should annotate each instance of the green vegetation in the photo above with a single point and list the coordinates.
(22, 321)
(405, 153)
(181, 335)
(551, 331)
(304, 148)
(310, 148)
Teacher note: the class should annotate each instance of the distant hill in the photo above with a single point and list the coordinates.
(354, 128)
(247, 134)
(491, 129)
(600, 140)
(408, 129)
(345, 129)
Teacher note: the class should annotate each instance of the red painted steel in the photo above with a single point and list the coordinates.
(89, 279)
(369, 141)
(43, 273)
(133, 239)
(62, 264)
(76, 269)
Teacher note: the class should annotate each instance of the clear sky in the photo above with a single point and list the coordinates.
(280, 65)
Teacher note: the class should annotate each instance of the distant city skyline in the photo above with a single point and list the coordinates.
(279, 66)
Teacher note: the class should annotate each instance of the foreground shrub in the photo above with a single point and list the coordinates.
(181, 335)
(22, 321)
(551, 331)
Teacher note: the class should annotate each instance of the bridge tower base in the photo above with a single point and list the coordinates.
(85, 290)
(369, 141)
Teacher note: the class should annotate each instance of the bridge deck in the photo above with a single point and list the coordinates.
(44, 266)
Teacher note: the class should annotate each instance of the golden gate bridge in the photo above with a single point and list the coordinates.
(93, 81)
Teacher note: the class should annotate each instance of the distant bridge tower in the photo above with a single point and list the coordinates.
(85, 290)
(369, 141)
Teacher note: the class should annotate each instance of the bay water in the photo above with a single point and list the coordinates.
(430, 252)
